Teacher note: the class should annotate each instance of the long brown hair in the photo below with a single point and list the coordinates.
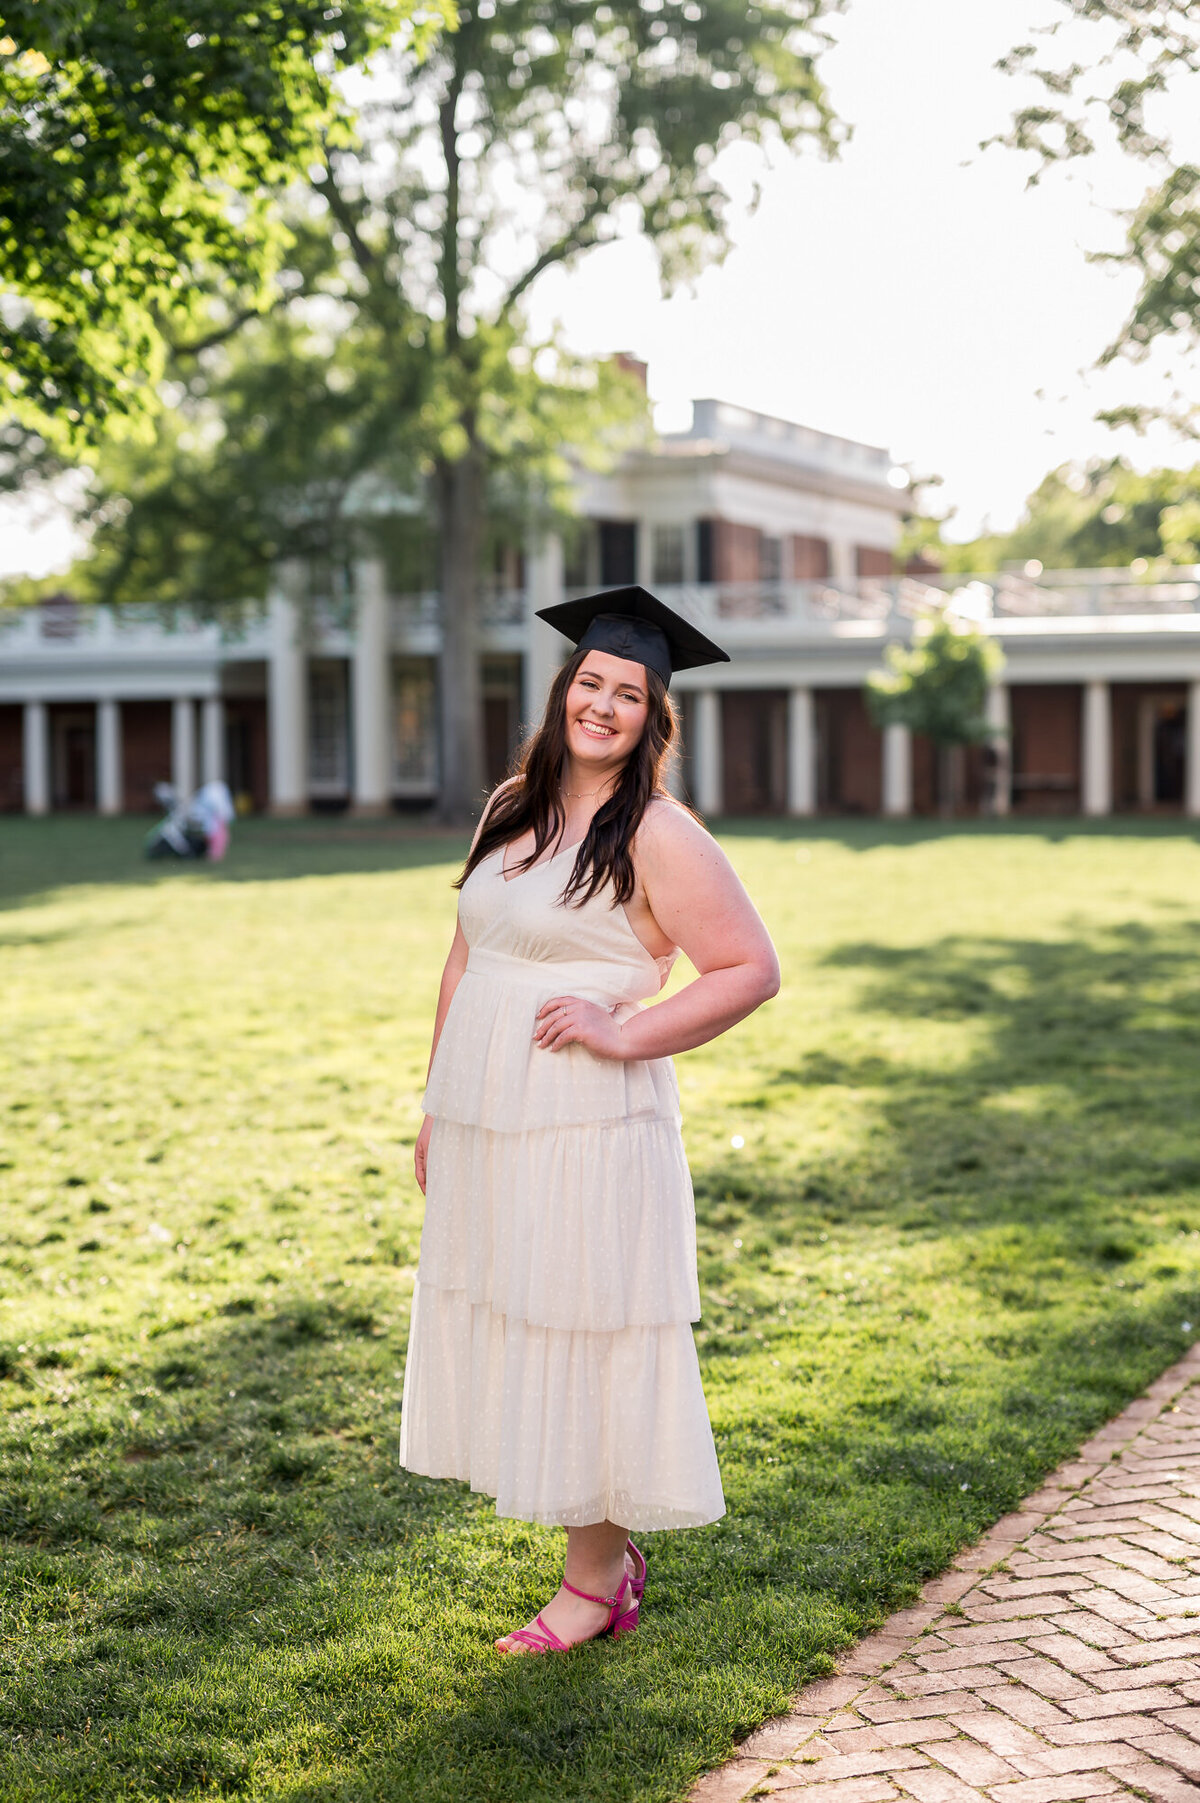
(534, 801)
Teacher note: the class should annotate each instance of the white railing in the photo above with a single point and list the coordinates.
(1055, 593)
(121, 631)
(870, 598)
(498, 606)
(63, 627)
(1081, 592)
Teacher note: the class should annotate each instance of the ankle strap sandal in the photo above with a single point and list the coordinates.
(622, 1619)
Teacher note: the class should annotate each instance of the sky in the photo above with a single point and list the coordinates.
(914, 293)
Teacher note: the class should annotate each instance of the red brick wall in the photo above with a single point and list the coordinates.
(926, 799)
(869, 561)
(735, 552)
(849, 754)
(12, 760)
(1046, 724)
(146, 752)
(810, 558)
(754, 750)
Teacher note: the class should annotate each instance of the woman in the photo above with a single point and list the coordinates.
(551, 1362)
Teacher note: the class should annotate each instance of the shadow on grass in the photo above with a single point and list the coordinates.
(1086, 1062)
(60, 851)
(218, 1581)
(868, 833)
(249, 1594)
(38, 857)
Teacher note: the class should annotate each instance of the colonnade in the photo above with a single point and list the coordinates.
(896, 774)
(198, 728)
(707, 761)
(1096, 759)
(195, 757)
(370, 694)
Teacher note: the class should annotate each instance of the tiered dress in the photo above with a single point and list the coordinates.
(550, 1361)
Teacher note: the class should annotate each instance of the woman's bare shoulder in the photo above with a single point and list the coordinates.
(504, 788)
(669, 833)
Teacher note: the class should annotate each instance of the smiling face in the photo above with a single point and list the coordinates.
(607, 705)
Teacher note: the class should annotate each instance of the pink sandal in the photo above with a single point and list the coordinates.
(541, 1639)
(637, 1582)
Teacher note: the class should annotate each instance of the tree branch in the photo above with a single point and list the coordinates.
(220, 334)
(449, 263)
(581, 235)
(343, 212)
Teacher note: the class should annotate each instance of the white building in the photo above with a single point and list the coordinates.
(777, 539)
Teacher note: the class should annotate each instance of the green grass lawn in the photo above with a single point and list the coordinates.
(948, 1190)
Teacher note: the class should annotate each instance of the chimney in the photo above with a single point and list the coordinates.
(632, 366)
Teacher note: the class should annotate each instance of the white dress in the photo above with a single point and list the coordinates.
(550, 1359)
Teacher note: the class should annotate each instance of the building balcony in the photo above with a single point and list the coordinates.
(66, 630)
(879, 606)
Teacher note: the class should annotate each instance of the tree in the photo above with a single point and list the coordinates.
(1143, 50)
(142, 143)
(305, 439)
(937, 687)
(536, 131)
(1101, 514)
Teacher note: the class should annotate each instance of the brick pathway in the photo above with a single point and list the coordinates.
(1057, 1659)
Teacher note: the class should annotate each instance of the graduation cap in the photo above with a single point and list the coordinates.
(633, 623)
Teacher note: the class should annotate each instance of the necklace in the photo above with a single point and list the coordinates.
(581, 794)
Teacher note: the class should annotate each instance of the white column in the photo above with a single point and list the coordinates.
(1097, 749)
(1191, 793)
(109, 775)
(998, 713)
(544, 647)
(183, 745)
(212, 739)
(371, 691)
(707, 775)
(287, 707)
(802, 753)
(36, 726)
(897, 770)
(843, 565)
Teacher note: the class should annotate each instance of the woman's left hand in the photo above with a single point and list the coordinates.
(567, 1020)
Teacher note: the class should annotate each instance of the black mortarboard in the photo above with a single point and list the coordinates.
(631, 622)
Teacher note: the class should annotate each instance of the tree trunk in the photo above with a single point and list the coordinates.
(459, 493)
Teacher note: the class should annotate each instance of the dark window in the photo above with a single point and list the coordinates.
(1170, 753)
(578, 540)
(618, 552)
(666, 564)
(73, 740)
(704, 550)
(501, 681)
(754, 731)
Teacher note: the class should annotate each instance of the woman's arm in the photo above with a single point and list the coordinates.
(452, 974)
(698, 901)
